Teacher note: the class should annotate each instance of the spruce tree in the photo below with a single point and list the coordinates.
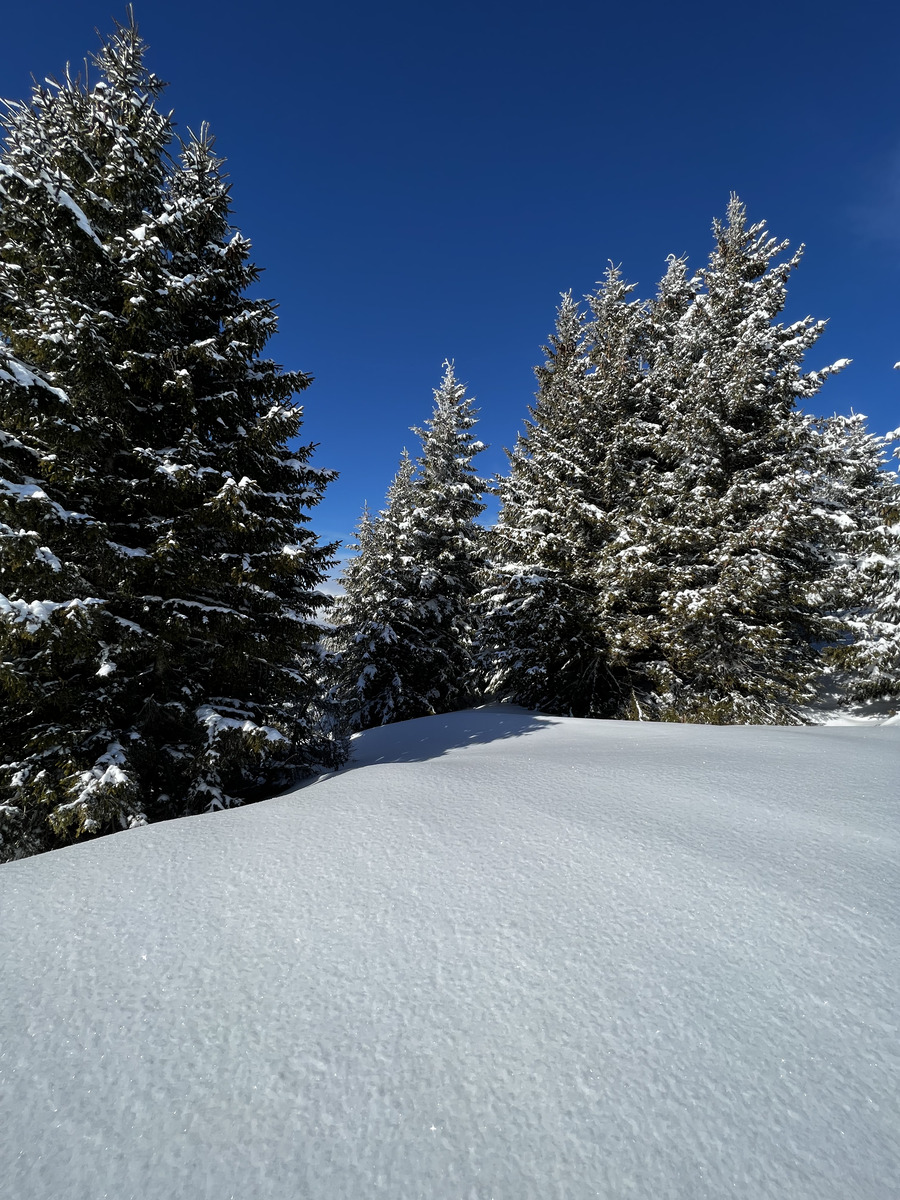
(448, 541)
(678, 539)
(377, 641)
(865, 498)
(877, 664)
(551, 636)
(405, 629)
(636, 571)
(157, 633)
(625, 570)
(753, 561)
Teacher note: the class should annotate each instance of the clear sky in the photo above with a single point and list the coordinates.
(421, 180)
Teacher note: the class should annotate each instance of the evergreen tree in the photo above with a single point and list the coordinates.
(449, 542)
(878, 665)
(531, 626)
(637, 569)
(677, 538)
(866, 501)
(406, 626)
(626, 572)
(549, 640)
(753, 561)
(157, 633)
(377, 639)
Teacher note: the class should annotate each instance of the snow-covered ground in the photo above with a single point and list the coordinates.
(498, 956)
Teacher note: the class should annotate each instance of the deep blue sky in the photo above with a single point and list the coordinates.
(421, 180)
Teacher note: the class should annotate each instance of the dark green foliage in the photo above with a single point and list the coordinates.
(157, 634)
(751, 558)
(405, 626)
(678, 540)
(867, 499)
(379, 646)
(541, 643)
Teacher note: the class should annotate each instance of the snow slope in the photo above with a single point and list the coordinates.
(498, 956)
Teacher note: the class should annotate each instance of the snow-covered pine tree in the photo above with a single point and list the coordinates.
(634, 570)
(626, 340)
(157, 633)
(673, 538)
(405, 629)
(550, 636)
(865, 500)
(449, 542)
(878, 666)
(534, 607)
(376, 637)
(753, 561)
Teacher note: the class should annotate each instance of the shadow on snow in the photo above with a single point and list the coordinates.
(430, 737)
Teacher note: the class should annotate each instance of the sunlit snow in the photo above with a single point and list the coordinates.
(497, 956)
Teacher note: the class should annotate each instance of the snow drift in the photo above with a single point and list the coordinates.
(498, 957)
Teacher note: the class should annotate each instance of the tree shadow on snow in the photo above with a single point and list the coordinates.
(430, 737)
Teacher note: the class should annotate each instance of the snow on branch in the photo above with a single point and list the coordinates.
(35, 613)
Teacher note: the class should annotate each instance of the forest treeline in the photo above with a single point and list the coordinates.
(678, 537)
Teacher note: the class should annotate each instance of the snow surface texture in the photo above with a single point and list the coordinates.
(498, 956)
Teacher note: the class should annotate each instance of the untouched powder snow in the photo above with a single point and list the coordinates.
(499, 956)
